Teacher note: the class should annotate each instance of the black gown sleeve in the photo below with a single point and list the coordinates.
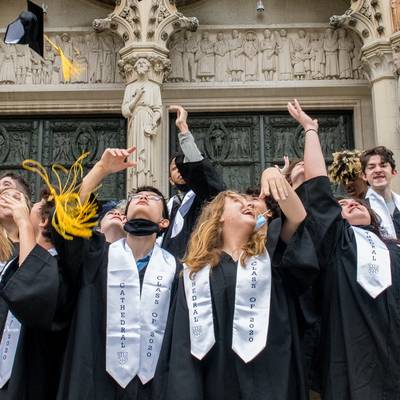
(201, 177)
(185, 380)
(31, 292)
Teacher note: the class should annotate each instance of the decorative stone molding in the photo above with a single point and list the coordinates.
(377, 60)
(93, 55)
(364, 17)
(254, 54)
(395, 41)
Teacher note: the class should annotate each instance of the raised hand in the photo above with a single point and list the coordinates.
(181, 118)
(15, 201)
(286, 165)
(115, 160)
(301, 117)
(274, 184)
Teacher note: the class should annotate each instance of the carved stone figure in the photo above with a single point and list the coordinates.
(80, 61)
(108, 59)
(221, 50)
(37, 69)
(142, 107)
(236, 56)
(346, 47)
(331, 47)
(94, 58)
(250, 51)
(317, 54)
(285, 50)
(217, 139)
(190, 47)
(67, 48)
(301, 57)
(396, 15)
(268, 47)
(23, 64)
(176, 58)
(205, 59)
(356, 60)
(7, 67)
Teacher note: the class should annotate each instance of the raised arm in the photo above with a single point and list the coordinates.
(274, 184)
(314, 162)
(112, 161)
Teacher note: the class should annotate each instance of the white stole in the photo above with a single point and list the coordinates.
(251, 313)
(373, 262)
(136, 321)
(183, 209)
(378, 204)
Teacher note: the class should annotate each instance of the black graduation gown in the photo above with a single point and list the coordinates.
(360, 342)
(206, 182)
(33, 293)
(277, 372)
(84, 375)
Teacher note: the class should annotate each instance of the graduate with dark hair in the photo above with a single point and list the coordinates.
(235, 333)
(125, 292)
(197, 182)
(359, 286)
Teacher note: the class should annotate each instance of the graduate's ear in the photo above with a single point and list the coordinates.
(394, 171)
(164, 223)
(43, 223)
(364, 177)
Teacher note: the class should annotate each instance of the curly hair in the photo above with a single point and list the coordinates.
(206, 242)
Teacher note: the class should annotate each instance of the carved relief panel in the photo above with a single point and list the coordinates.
(242, 145)
(279, 54)
(62, 141)
(93, 56)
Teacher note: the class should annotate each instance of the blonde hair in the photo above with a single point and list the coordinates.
(206, 242)
(6, 246)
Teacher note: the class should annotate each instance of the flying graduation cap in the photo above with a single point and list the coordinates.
(27, 29)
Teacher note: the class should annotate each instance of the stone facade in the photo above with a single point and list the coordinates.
(143, 56)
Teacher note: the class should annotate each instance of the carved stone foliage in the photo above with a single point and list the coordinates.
(93, 56)
(61, 141)
(265, 55)
(241, 148)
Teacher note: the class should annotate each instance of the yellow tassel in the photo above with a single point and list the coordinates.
(71, 217)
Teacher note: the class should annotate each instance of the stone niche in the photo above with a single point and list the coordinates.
(278, 53)
(93, 57)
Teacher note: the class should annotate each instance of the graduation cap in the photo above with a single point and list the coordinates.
(27, 29)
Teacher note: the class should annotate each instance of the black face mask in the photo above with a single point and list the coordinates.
(141, 227)
(182, 188)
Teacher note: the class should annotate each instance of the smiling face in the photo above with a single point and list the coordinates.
(378, 173)
(354, 212)
(239, 213)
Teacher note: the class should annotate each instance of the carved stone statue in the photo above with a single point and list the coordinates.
(346, 47)
(23, 64)
(94, 58)
(285, 50)
(176, 57)
(190, 47)
(205, 59)
(250, 51)
(108, 59)
(331, 47)
(356, 60)
(221, 50)
(268, 47)
(67, 48)
(7, 66)
(317, 57)
(142, 107)
(396, 15)
(302, 56)
(236, 57)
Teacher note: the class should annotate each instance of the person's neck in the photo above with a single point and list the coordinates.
(234, 242)
(12, 230)
(113, 234)
(385, 192)
(141, 245)
(44, 242)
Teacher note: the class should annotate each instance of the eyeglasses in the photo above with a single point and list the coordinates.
(148, 196)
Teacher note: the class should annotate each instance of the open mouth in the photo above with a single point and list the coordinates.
(249, 211)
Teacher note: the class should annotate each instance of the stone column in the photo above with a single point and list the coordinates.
(145, 27)
(379, 67)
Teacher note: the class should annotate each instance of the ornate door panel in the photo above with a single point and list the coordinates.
(242, 145)
(61, 140)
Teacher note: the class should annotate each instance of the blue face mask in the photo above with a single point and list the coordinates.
(261, 221)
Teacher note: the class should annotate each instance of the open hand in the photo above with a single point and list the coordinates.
(286, 165)
(115, 160)
(16, 202)
(274, 184)
(181, 118)
(301, 117)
